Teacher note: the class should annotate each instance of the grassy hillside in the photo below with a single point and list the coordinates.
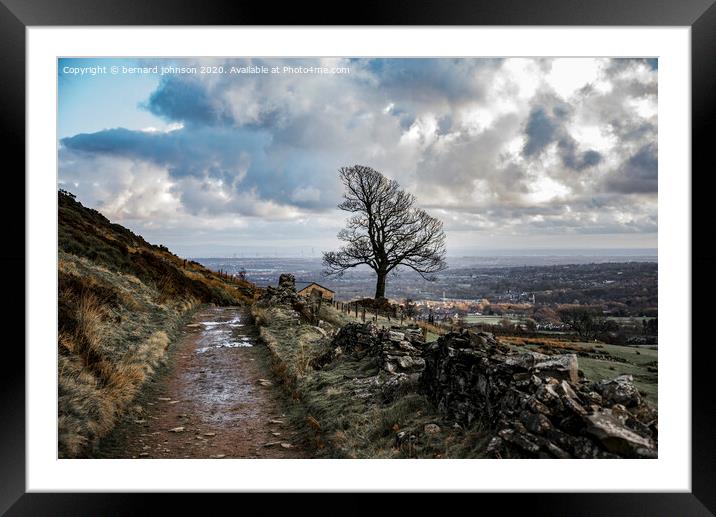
(121, 301)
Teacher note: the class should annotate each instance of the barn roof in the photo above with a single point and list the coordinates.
(300, 286)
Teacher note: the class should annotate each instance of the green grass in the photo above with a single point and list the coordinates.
(640, 358)
(645, 355)
(489, 319)
(645, 381)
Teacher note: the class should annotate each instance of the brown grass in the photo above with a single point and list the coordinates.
(94, 390)
(111, 338)
(547, 345)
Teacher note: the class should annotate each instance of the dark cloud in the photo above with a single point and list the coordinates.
(574, 160)
(541, 131)
(472, 159)
(638, 175)
(627, 129)
(199, 152)
(234, 161)
(445, 124)
(406, 118)
(186, 99)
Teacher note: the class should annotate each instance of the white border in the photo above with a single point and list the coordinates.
(671, 472)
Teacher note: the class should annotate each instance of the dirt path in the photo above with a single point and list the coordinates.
(215, 399)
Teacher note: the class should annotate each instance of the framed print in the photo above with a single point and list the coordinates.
(417, 253)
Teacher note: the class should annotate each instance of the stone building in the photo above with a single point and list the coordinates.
(307, 288)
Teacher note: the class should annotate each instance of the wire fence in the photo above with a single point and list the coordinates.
(395, 316)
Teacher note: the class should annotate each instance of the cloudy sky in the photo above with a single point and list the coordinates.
(509, 154)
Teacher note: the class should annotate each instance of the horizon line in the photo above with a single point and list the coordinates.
(543, 252)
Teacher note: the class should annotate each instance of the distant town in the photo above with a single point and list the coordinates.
(488, 290)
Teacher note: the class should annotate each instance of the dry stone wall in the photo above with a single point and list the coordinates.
(538, 405)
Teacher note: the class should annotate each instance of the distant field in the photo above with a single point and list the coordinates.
(489, 319)
(629, 319)
(485, 319)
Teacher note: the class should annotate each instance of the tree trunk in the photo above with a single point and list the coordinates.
(380, 285)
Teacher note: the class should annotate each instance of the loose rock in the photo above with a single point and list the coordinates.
(432, 429)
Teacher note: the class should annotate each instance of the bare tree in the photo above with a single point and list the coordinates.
(580, 320)
(385, 229)
(587, 322)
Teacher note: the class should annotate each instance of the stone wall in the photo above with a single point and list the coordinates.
(538, 406)
(397, 351)
(284, 294)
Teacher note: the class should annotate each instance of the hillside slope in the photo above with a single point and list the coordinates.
(121, 301)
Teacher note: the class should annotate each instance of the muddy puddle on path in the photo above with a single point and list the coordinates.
(216, 399)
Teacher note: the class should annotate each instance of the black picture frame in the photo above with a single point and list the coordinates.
(700, 15)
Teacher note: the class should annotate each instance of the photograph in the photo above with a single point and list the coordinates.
(410, 249)
(357, 257)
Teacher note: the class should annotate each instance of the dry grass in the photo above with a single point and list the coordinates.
(521, 341)
(112, 336)
(305, 339)
(549, 346)
(261, 315)
(94, 388)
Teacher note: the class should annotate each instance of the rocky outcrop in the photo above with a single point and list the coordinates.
(396, 351)
(537, 405)
(284, 294)
(287, 281)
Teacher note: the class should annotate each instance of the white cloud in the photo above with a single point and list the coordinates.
(454, 132)
(567, 75)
